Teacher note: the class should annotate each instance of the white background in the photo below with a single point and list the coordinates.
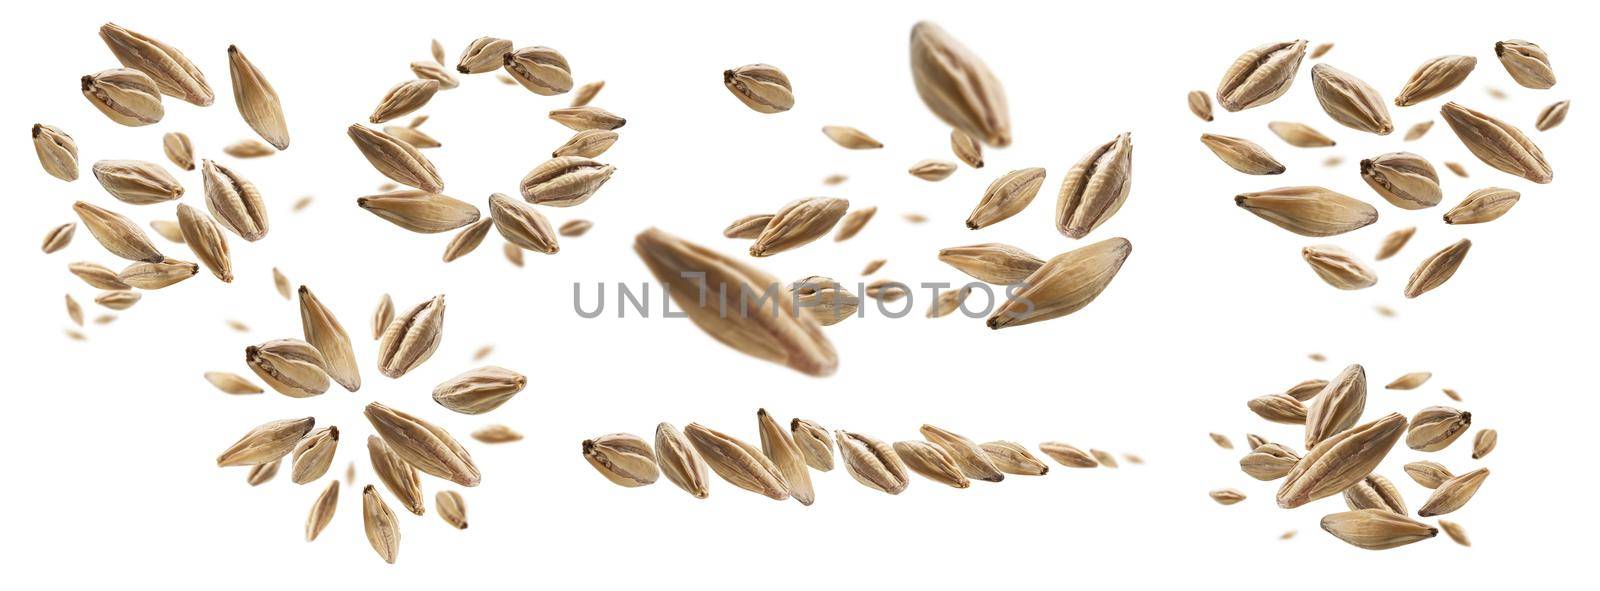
(111, 442)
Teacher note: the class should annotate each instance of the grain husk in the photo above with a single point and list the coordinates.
(396, 159)
(1299, 135)
(852, 223)
(680, 463)
(966, 454)
(748, 227)
(452, 508)
(522, 225)
(1527, 63)
(1339, 267)
(1436, 427)
(1454, 493)
(423, 445)
(1434, 78)
(118, 234)
(411, 338)
(1200, 105)
(799, 223)
(1350, 101)
(468, 239)
(1095, 188)
(958, 87)
(1309, 211)
(266, 442)
(1437, 268)
(420, 211)
(322, 509)
(1068, 455)
(587, 92)
(1278, 408)
(932, 170)
(1012, 458)
(404, 98)
(1482, 205)
(1242, 155)
(998, 264)
(1260, 75)
(314, 455)
(1552, 116)
(396, 475)
(168, 68)
(125, 96)
(208, 242)
(483, 55)
(1376, 529)
(324, 332)
(1374, 492)
(1484, 442)
(737, 462)
(565, 181)
(1269, 461)
(57, 152)
(479, 390)
(152, 276)
(1497, 143)
(1064, 284)
(290, 366)
(1006, 196)
(1428, 474)
(383, 531)
(589, 143)
(763, 88)
(587, 117)
(932, 462)
(1394, 241)
(58, 237)
(541, 70)
(234, 201)
(966, 149)
(622, 458)
(737, 316)
(1338, 462)
(257, 101)
(872, 463)
(778, 446)
(1338, 406)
